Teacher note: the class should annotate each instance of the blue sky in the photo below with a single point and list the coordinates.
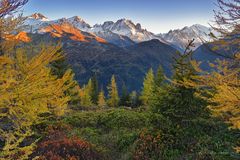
(157, 16)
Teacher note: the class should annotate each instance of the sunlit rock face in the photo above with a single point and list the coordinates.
(66, 29)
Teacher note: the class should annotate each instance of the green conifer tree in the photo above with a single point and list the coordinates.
(159, 78)
(95, 90)
(113, 100)
(133, 99)
(189, 114)
(85, 94)
(125, 97)
(101, 99)
(148, 87)
(178, 101)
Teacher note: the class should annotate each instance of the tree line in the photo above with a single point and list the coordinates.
(90, 95)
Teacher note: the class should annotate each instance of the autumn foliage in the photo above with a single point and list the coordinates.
(148, 147)
(57, 146)
(184, 118)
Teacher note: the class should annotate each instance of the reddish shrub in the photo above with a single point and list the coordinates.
(148, 147)
(57, 146)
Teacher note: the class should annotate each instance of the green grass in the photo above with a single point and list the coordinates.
(112, 131)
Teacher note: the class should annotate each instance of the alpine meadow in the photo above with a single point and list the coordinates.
(111, 89)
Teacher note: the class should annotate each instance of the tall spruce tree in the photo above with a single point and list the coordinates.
(125, 97)
(101, 99)
(113, 100)
(95, 89)
(134, 99)
(85, 94)
(159, 78)
(181, 102)
(148, 87)
(85, 97)
(189, 116)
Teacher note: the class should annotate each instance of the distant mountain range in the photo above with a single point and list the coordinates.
(181, 37)
(122, 48)
(124, 32)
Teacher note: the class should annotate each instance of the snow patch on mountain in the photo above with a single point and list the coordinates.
(119, 40)
(127, 28)
(124, 32)
(34, 22)
(38, 16)
(79, 23)
(181, 37)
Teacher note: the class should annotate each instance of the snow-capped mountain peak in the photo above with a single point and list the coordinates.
(79, 23)
(39, 16)
(124, 31)
(107, 24)
(198, 29)
(34, 22)
(125, 24)
(180, 37)
(76, 18)
(127, 28)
